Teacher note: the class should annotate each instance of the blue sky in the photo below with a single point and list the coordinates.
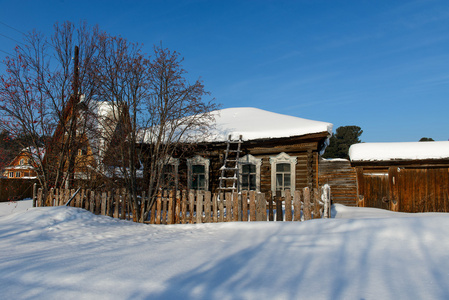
(380, 65)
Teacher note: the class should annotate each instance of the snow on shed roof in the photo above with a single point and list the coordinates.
(253, 123)
(399, 151)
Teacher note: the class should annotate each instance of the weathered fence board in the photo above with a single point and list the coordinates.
(182, 207)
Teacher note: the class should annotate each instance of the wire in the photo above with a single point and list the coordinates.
(12, 28)
(11, 38)
(6, 52)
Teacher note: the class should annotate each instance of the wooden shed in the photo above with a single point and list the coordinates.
(253, 149)
(405, 177)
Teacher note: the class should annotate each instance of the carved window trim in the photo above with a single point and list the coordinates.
(283, 158)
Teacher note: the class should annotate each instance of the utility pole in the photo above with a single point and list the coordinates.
(73, 102)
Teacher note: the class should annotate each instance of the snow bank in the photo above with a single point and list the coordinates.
(10, 207)
(69, 253)
(399, 151)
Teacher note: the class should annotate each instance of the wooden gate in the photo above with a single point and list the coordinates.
(420, 189)
(404, 189)
(373, 188)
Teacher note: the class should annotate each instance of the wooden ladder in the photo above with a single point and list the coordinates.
(229, 179)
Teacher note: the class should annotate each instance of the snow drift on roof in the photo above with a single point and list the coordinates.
(399, 151)
(253, 123)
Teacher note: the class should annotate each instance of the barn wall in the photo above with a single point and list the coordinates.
(341, 177)
(405, 189)
(420, 189)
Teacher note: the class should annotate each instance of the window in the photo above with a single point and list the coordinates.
(82, 151)
(250, 173)
(22, 162)
(283, 167)
(170, 172)
(11, 174)
(198, 173)
(283, 173)
(198, 180)
(17, 174)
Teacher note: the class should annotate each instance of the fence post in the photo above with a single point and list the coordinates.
(316, 202)
(235, 206)
(215, 207)
(270, 207)
(297, 205)
(184, 207)
(207, 206)
(288, 205)
(326, 198)
(170, 219)
(279, 215)
(34, 194)
(199, 207)
(244, 205)
(306, 209)
(221, 217)
(252, 206)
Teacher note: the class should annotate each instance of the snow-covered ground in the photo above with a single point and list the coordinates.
(68, 253)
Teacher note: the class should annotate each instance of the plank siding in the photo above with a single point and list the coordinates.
(342, 179)
(406, 188)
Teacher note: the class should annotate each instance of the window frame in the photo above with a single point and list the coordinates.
(250, 160)
(198, 160)
(169, 160)
(283, 158)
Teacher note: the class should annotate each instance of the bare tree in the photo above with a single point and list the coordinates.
(105, 90)
(176, 110)
(151, 103)
(37, 97)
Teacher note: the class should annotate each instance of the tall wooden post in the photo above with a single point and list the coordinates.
(73, 118)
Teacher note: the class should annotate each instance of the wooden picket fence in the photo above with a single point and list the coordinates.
(189, 207)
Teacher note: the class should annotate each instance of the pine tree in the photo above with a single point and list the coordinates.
(340, 142)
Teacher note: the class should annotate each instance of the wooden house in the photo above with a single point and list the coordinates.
(405, 177)
(253, 149)
(23, 166)
(97, 127)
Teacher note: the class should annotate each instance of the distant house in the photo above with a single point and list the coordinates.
(23, 166)
(406, 177)
(252, 149)
(99, 125)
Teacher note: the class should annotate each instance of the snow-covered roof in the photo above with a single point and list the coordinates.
(253, 123)
(399, 151)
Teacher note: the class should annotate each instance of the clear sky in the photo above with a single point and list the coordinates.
(380, 65)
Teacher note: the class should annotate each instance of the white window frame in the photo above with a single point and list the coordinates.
(198, 160)
(250, 160)
(283, 158)
(169, 160)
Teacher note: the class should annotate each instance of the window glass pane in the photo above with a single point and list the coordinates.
(252, 185)
(283, 168)
(201, 182)
(286, 181)
(198, 169)
(248, 168)
(278, 181)
(245, 181)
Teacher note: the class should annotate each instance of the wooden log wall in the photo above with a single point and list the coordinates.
(342, 179)
(194, 207)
